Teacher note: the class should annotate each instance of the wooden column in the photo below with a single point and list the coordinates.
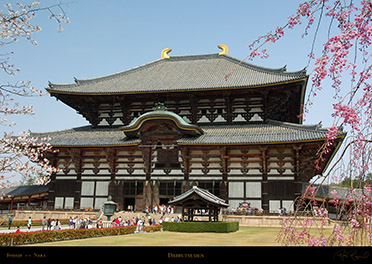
(76, 159)
(297, 180)
(147, 194)
(264, 186)
(111, 160)
(224, 169)
(53, 158)
(185, 154)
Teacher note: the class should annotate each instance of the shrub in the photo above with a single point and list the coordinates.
(197, 227)
(7, 239)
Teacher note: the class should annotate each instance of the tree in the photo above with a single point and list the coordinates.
(22, 154)
(345, 60)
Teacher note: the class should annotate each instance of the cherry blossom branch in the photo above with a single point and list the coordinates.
(22, 154)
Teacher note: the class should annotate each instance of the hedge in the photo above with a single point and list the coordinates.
(8, 239)
(197, 227)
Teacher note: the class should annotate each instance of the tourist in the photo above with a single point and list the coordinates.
(82, 223)
(57, 225)
(78, 221)
(71, 223)
(139, 225)
(49, 224)
(89, 223)
(162, 210)
(117, 222)
(10, 221)
(43, 223)
(29, 223)
(53, 225)
(18, 230)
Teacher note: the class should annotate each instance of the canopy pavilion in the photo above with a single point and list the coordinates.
(196, 201)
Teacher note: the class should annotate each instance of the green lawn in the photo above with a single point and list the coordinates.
(246, 236)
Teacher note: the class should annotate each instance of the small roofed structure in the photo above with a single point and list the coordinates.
(28, 196)
(199, 202)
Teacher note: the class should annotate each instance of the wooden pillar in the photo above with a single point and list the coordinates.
(194, 109)
(297, 179)
(224, 169)
(147, 194)
(51, 194)
(11, 204)
(264, 187)
(77, 160)
(185, 154)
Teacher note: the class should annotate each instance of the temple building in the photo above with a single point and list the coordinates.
(212, 121)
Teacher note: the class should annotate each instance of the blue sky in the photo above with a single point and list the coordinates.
(105, 37)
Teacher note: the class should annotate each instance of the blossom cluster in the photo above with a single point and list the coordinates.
(23, 154)
(352, 227)
(344, 59)
(14, 150)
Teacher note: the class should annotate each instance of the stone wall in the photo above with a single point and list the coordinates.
(38, 215)
(268, 221)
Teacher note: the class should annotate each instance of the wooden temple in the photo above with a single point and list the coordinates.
(212, 121)
(197, 202)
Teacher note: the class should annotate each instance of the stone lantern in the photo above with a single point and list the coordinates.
(109, 208)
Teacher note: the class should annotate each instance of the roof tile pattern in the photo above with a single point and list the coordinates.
(180, 73)
(264, 133)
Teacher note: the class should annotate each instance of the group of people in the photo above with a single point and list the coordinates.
(160, 209)
(10, 221)
(51, 224)
(80, 223)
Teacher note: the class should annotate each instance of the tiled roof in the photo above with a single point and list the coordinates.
(25, 190)
(271, 132)
(265, 133)
(180, 73)
(88, 136)
(325, 191)
(131, 130)
(203, 194)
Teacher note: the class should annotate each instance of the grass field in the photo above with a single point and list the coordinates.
(246, 236)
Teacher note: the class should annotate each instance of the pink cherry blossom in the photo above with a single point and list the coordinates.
(22, 154)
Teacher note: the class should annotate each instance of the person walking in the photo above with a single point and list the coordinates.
(71, 223)
(49, 224)
(10, 221)
(29, 223)
(43, 223)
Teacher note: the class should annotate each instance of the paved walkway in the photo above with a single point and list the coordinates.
(124, 215)
(25, 229)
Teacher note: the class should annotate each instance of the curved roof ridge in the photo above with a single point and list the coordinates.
(120, 73)
(297, 126)
(107, 77)
(282, 70)
(80, 128)
(179, 73)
